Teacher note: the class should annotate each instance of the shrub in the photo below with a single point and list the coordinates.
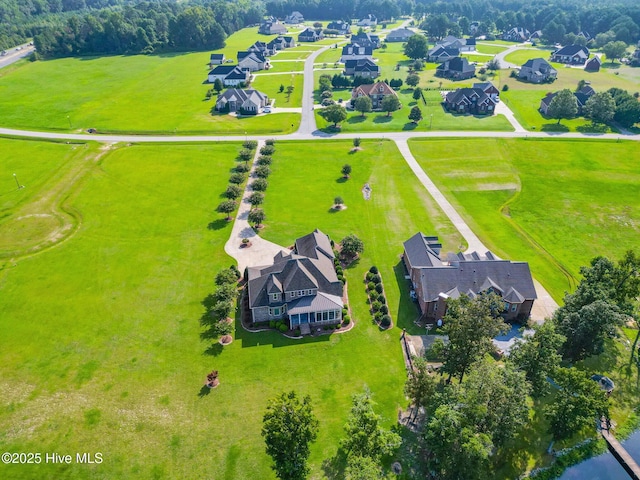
(374, 270)
(237, 178)
(339, 270)
(232, 192)
(259, 185)
(326, 94)
(344, 312)
(278, 324)
(267, 150)
(369, 277)
(382, 299)
(376, 279)
(250, 144)
(385, 321)
(384, 309)
(242, 168)
(283, 327)
(226, 275)
(341, 278)
(245, 155)
(371, 286)
(264, 160)
(357, 142)
(263, 171)
(296, 332)
(377, 316)
(272, 324)
(325, 328)
(375, 306)
(505, 88)
(346, 319)
(373, 296)
(270, 141)
(379, 288)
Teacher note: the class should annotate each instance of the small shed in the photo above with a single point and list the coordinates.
(593, 65)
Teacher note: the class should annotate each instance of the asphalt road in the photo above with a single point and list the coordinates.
(14, 55)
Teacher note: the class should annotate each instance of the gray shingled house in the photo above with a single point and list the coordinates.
(436, 280)
(537, 70)
(302, 286)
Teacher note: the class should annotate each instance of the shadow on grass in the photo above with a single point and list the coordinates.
(357, 119)
(341, 179)
(410, 126)
(214, 350)
(218, 224)
(406, 91)
(591, 128)
(204, 391)
(554, 127)
(334, 467)
(382, 119)
(408, 310)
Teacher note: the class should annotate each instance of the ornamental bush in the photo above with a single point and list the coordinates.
(373, 296)
(272, 324)
(270, 142)
(371, 286)
(344, 312)
(264, 160)
(379, 288)
(376, 278)
(242, 168)
(236, 178)
(374, 270)
(375, 306)
(382, 299)
(283, 327)
(386, 321)
(267, 150)
(346, 319)
(259, 185)
(384, 309)
(369, 277)
(263, 171)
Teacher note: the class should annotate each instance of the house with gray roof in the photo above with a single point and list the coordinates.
(369, 20)
(341, 27)
(435, 280)
(301, 287)
(571, 54)
(582, 96)
(365, 39)
(399, 35)
(216, 59)
(537, 70)
(294, 19)
(516, 34)
(463, 44)
(457, 68)
(363, 67)
(247, 102)
(253, 61)
(479, 100)
(272, 26)
(310, 35)
(354, 51)
(439, 53)
(230, 75)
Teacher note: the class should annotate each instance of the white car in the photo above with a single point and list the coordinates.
(266, 109)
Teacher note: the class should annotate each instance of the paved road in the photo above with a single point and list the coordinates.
(14, 55)
(500, 57)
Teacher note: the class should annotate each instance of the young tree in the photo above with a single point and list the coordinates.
(538, 356)
(221, 310)
(245, 155)
(346, 170)
(390, 103)
(418, 65)
(256, 216)
(356, 142)
(416, 47)
(470, 325)
(420, 386)
(232, 192)
(362, 468)
(259, 185)
(363, 104)
(221, 328)
(338, 201)
(218, 86)
(226, 292)
(563, 105)
(256, 198)
(365, 436)
(417, 93)
(577, 402)
(412, 80)
(263, 171)
(334, 114)
(281, 89)
(600, 108)
(226, 276)
(352, 245)
(237, 178)
(613, 50)
(288, 427)
(250, 144)
(415, 115)
(227, 207)
(493, 64)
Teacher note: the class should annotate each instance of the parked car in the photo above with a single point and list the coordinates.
(4, 52)
(266, 109)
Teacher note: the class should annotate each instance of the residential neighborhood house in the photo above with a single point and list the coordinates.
(375, 91)
(253, 61)
(537, 70)
(479, 100)
(301, 286)
(399, 35)
(463, 44)
(247, 102)
(516, 34)
(363, 67)
(272, 27)
(230, 75)
(435, 280)
(216, 59)
(355, 52)
(582, 95)
(341, 27)
(456, 69)
(571, 54)
(439, 53)
(365, 39)
(294, 19)
(310, 35)
(635, 59)
(368, 21)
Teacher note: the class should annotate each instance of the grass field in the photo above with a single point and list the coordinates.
(138, 94)
(280, 67)
(521, 55)
(270, 84)
(555, 204)
(398, 121)
(101, 348)
(492, 49)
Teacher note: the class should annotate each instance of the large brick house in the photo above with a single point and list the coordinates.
(302, 286)
(376, 92)
(435, 280)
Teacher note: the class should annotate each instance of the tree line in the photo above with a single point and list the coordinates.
(341, 9)
(145, 27)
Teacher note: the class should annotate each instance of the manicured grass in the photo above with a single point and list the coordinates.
(523, 54)
(479, 59)
(330, 56)
(492, 49)
(270, 84)
(289, 54)
(279, 67)
(139, 94)
(399, 207)
(553, 203)
(379, 121)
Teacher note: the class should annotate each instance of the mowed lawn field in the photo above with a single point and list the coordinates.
(138, 94)
(554, 203)
(100, 349)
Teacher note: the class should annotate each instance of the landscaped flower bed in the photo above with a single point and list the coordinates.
(377, 299)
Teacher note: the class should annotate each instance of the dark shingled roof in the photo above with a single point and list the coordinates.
(423, 251)
(571, 50)
(456, 64)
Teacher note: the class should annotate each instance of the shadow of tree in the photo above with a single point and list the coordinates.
(214, 349)
(335, 466)
(554, 127)
(204, 391)
(382, 119)
(218, 224)
(410, 126)
(593, 128)
(357, 119)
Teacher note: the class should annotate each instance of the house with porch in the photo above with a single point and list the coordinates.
(230, 75)
(436, 279)
(571, 55)
(247, 102)
(375, 91)
(301, 286)
(457, 68)
(439, 53)
(537, 70)
(341, 27)
(253, 61)
(470, 101)
(364, 67)
(310, 35)
(365, 39)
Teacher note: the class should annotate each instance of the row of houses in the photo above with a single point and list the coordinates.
(302, 286)
(357, 56)
(521, 34)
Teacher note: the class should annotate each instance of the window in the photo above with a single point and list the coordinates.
(435, 307)
(514, 308)
(332, 315)
(274, 312)
(275, 296)
(309, 292)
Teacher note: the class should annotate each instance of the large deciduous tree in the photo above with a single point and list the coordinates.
(289, 426)
(420, 386)
(563, 105)
(363, 104)
(390, 103)
(334, 114)
(227, 207)
(470, 325)
(416, 47)
(351, 245)
(600, 108)
(415, 115)
(613, 50)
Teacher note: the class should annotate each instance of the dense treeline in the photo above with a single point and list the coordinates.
(341, 9)
(619, 20)
(95, 27)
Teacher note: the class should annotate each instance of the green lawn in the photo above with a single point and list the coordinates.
(492, 49)
(279, 67)
(139, 94)
(379, 121)
(479, 59)
(329, 56)
(553, 203)
(270, 84)
(523, 54)
(100, 348)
